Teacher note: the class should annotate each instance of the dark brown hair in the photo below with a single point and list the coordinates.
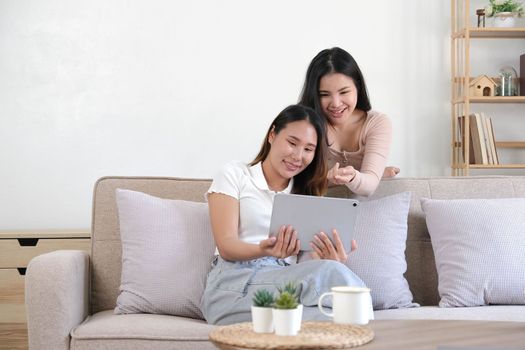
(312, 180)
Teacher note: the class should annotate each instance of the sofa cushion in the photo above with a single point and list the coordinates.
(479, 246)
(167, 249)
(514, 313)
(105, 330)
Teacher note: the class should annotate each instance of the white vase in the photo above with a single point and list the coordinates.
(262, 319)
(504, 19)
(287, 322)
(299, 316)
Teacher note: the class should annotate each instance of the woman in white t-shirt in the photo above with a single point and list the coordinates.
(291, 160)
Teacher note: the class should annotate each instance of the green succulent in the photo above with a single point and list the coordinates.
(288, 297)
(289, 287)
(285, 300)
(263, 298)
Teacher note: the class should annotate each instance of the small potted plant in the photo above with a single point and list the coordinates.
(262, 317)
(287, 312)
(504, 12)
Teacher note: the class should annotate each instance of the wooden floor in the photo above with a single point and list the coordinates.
(13, 336)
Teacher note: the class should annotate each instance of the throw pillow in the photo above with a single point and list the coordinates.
(167, 249)
(381, 232)
(479, 246)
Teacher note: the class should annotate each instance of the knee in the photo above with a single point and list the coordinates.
(332, 266)
(335, 273)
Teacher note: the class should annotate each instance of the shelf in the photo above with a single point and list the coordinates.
(499, 144)
(510, 144)
(498, 99)
(74, 233)
(491, 32)
(491, 99)
(487, 166)
(496, 166)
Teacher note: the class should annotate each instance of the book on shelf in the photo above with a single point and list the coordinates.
(482, 138)
(482, 145)
(522, 75)
(491, 141)
(478, 139)
(461, 122)
(486, 142)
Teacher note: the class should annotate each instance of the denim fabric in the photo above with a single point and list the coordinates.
(230, 285)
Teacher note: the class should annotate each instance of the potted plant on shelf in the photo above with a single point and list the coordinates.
(504, 12)
(262, 318)
(287, 312)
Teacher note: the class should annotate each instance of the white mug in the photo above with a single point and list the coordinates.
(350, 305)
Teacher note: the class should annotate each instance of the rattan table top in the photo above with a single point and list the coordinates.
(313, 335)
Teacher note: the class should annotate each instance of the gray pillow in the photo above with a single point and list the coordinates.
(479, 246)
(167, 249)
(381, 233)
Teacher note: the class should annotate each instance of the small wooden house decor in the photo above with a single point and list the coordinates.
(482, 86)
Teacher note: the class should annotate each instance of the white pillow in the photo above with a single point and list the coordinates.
(479, 246)
(381, 234)
(167, 249)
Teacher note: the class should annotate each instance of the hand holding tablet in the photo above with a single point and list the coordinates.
(287, 246)
(331, 247)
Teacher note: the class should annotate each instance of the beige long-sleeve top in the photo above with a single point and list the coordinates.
(370, 159)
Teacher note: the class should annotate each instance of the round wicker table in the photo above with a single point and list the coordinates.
(313, 335)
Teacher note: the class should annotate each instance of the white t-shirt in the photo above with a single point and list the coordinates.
(248, 185)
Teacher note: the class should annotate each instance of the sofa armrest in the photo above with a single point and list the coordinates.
(56, 296)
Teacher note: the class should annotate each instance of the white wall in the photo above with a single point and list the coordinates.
(176, 88)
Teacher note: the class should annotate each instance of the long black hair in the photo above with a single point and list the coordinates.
(334, 60)
(312, 180)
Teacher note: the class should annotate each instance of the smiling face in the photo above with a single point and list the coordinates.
(337, 97)
(292, 150)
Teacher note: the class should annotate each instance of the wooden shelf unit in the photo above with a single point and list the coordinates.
(462, 34)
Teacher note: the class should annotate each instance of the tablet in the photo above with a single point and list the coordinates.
(311, 214)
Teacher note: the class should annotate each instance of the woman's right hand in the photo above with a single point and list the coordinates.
(283, 245)
(341, 176)
(323, 248)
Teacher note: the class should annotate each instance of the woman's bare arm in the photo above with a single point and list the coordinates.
(224, 216)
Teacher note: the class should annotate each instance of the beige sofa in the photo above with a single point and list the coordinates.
(70, 296)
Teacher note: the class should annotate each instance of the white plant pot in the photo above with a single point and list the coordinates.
(504, 19)
(288, 321)
(262, 319)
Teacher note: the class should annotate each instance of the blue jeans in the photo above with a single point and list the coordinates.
(230, 285)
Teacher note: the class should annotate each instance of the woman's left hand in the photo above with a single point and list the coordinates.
(390, 171)
(323, 248)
